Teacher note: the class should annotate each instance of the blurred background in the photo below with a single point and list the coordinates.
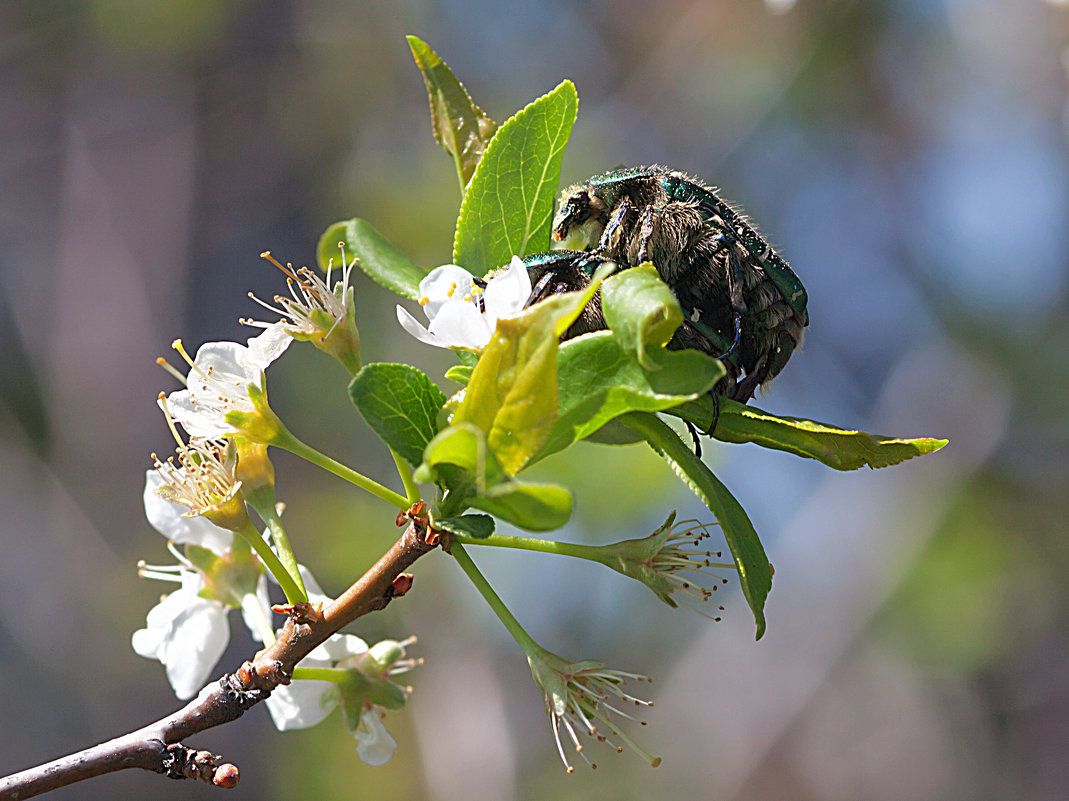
(908, 158)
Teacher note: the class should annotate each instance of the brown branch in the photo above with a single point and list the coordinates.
(157, 746)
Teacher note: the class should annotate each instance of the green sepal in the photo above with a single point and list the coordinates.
(401, 405)
(460, 127)
(226, 578)
(755, 572)
(508, 206)
(633, 557)
(357, 690)
(837, 448)
(382, 262)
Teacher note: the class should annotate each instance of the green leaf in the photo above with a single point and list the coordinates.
(508, 207)
(479, 526)
(378, 258)
(459, 459)
(401, 405)
(836, 447)
(460, 126)
(460, 373)
(512, 394)
(641, 311)
(599, 381)
(462, 446)
(530, 506)
(755, 573)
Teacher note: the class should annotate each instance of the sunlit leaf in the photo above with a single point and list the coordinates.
(460, 373)
(460, 126)
(526, 504)
(512, 393)
(459, 459)
(836, 447)
(401, 405)
(641, 311)
(599, 381)
(508, 205)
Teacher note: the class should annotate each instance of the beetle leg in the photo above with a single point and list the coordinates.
(612, 228)
(481, 283)
(645, 232)
(733, 280)
(716, 416)
(738, 303)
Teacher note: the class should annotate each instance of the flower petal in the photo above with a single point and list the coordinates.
(443, 284)
(507, 293)
(224, 361)
(374, 745)
(198, 421)
(416, 329)
(167, 518)
(199, 638)
(301, 703)
(256, 608)
(264, 349)
(342, 646)
(460, 325)
(187, 633)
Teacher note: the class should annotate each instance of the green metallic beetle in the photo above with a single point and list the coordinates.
(742, 302)
(561, 271)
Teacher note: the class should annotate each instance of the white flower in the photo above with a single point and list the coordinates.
(662, 559)
(584, 697)
(314, 308)
(461, 314)
(219, 379)
(185, 632)
(168, 519)
(353, 675)
(203, 477)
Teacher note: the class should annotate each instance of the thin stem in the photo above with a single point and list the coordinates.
(523, 639)
(294, 594)
(321, 674)
(281, 542)
(592, 552)
(287, 441)
(405, 472)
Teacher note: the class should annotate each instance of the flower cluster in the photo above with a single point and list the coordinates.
(224, 470)
(224, 412)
